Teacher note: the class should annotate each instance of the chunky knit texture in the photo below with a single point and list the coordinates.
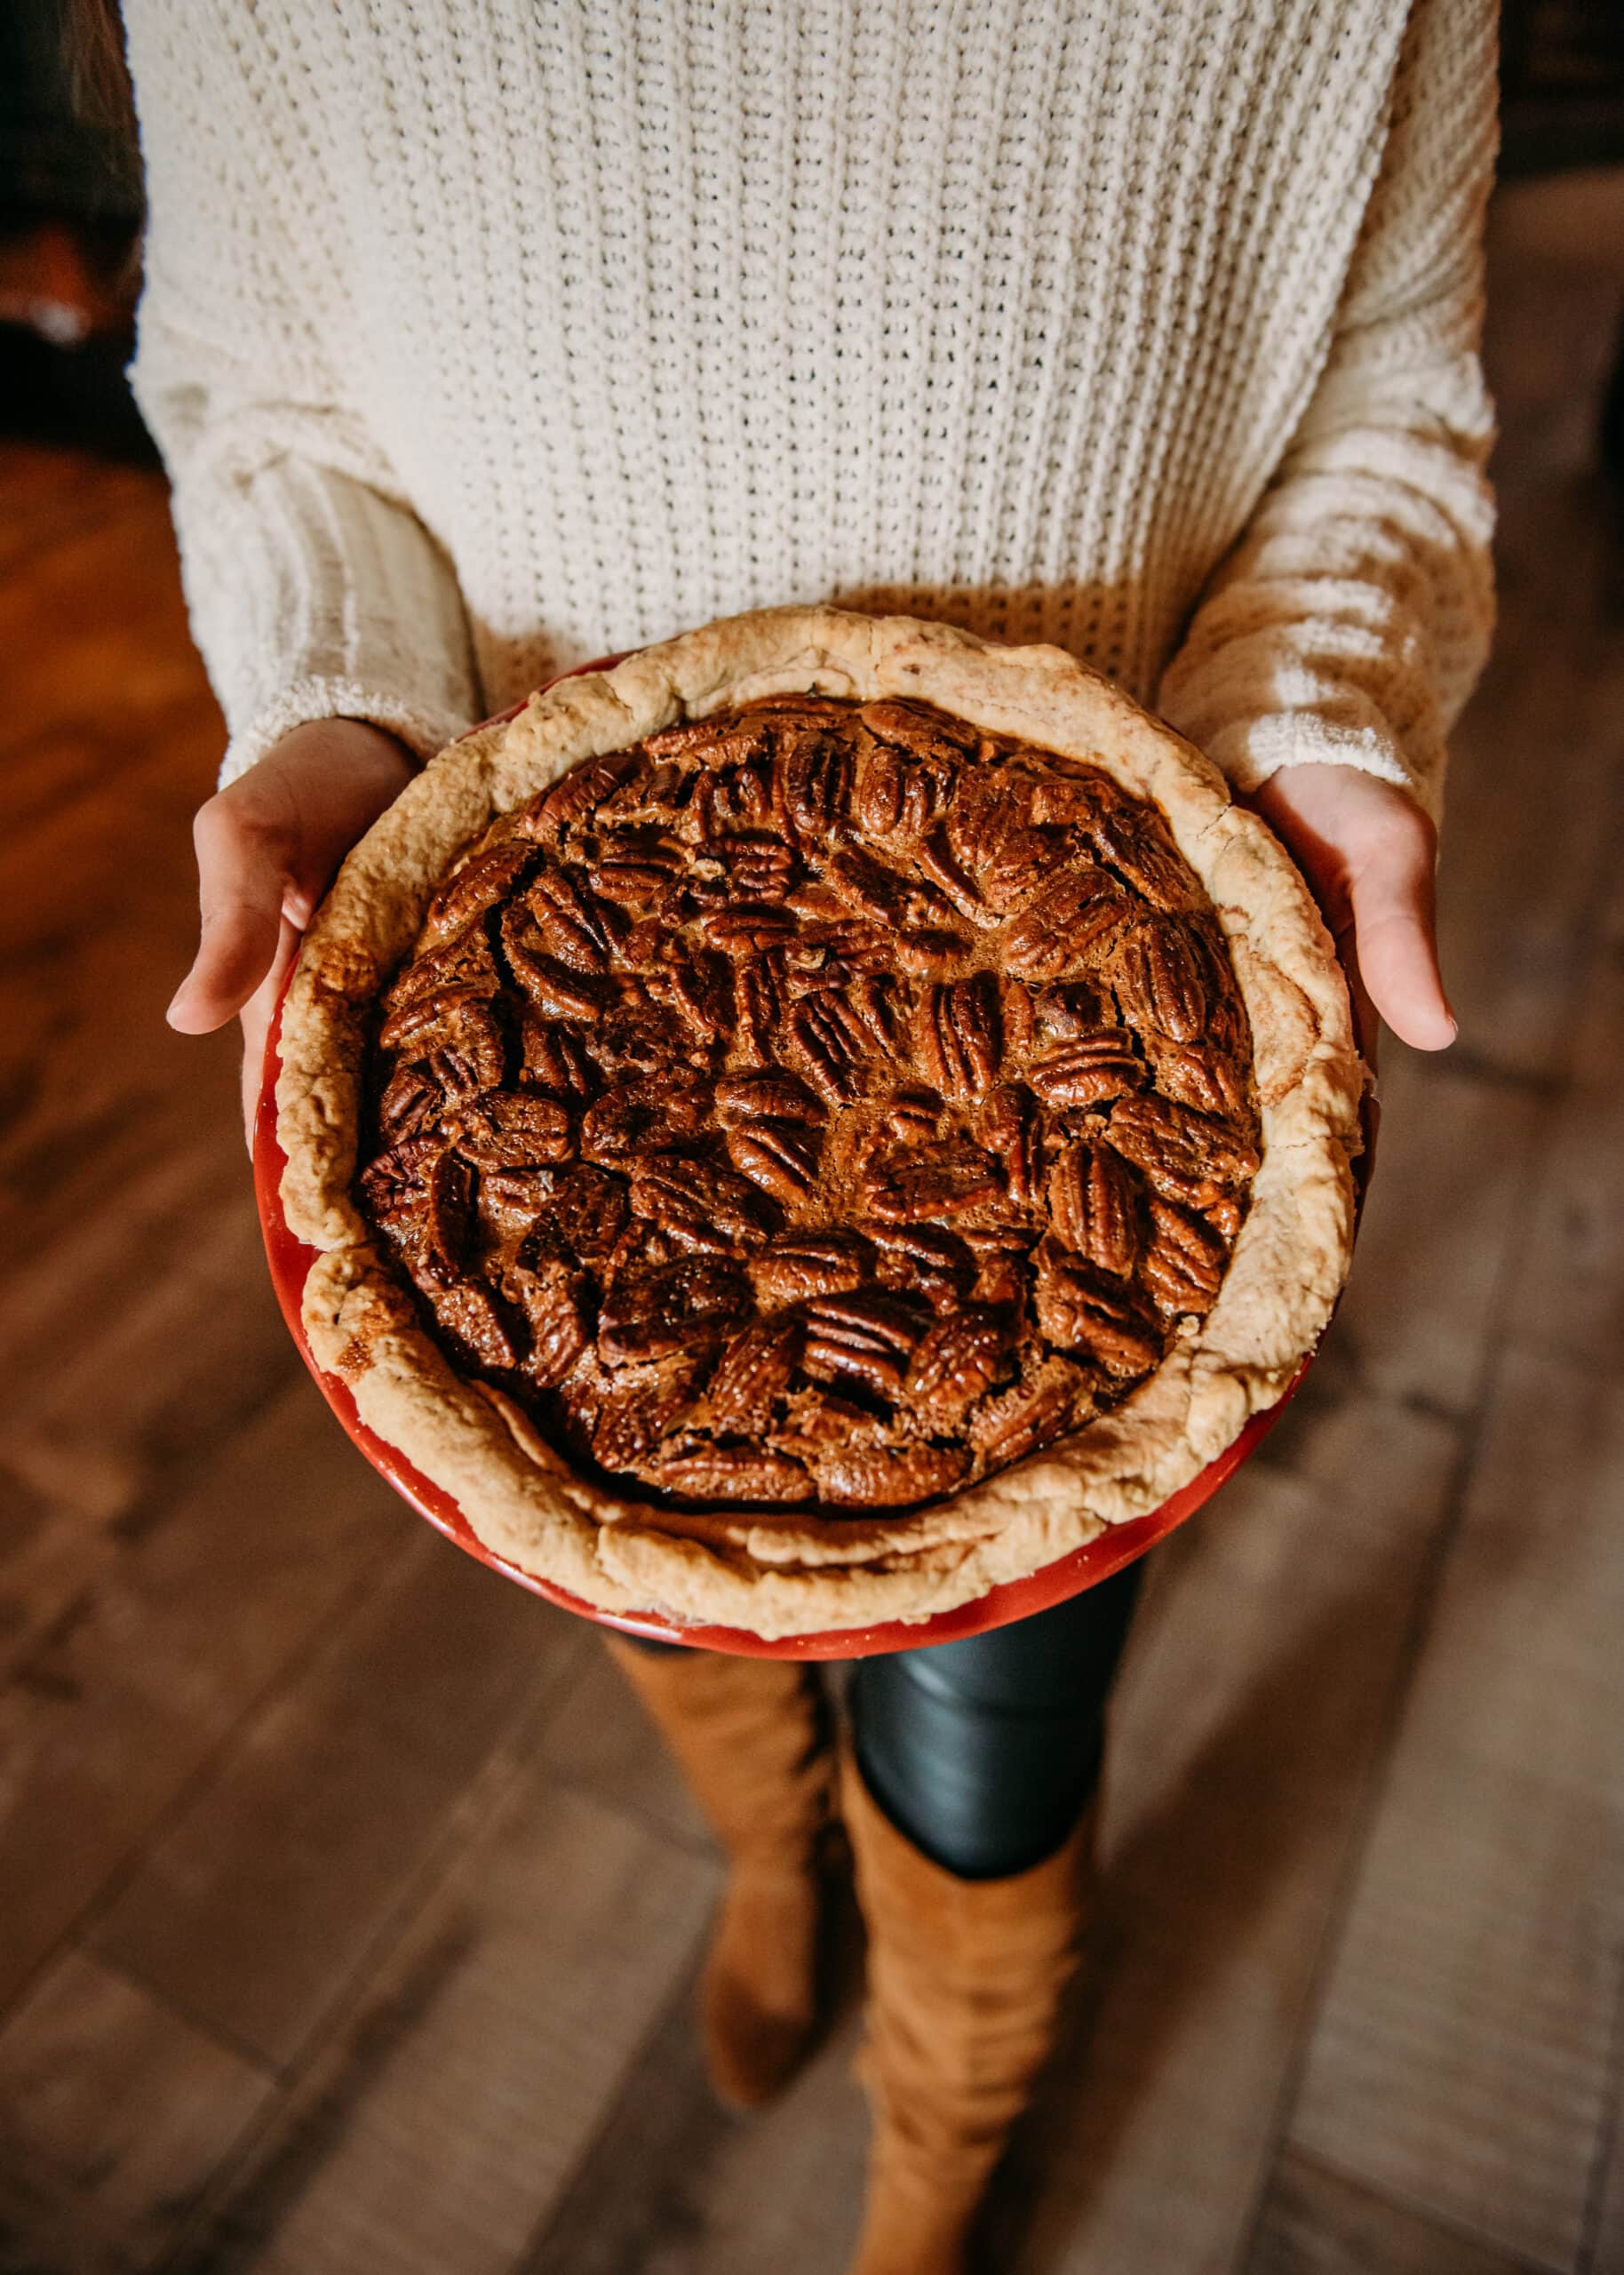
(480, 342)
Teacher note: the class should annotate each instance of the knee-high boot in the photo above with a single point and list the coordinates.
(751, 1738)
(965, 1979)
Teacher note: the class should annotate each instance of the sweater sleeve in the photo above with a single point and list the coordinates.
(315, 592)
(1350, 622)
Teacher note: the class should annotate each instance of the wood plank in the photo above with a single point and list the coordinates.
(137, 1405)
(1318, 2223)
(715, 2193)
(356, 1764)
(1569, 1292)
(1248, 1718)
(1605, 2255)
(446, 2119)
(1463, 2056)
(136, 1686)
(602, 1739)
(113, 2112)
(1456, 1146)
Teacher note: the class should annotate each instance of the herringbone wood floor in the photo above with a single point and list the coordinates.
(347, 1915)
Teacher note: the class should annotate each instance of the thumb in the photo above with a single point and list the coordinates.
(240, 884)
(1396, 931)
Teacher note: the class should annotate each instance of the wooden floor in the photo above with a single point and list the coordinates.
(347, 1915)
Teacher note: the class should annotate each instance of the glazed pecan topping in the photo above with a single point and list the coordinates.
(818, 1104)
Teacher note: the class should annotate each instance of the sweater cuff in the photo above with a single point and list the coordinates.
(425, 729)
(1248, 751)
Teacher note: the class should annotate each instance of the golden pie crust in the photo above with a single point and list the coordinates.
(799, 1567)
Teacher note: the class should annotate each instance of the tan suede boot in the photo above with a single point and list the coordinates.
(751, 1738)
(964, 1983)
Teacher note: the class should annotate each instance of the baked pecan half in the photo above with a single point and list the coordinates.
(753, 1373)
(585, 1215)
(574, 795)
(394, 1185)
(1143, 854)
(928, 735)
(797, 1264)
(472, 1319)
(447, 1223)
(411, 1099)
(1074, 918)
(932, 951)
(811, 779)
(876, 805)
(1006, 1128)
(653, 1312)
(500, 1129)
(925, 1260)
(774, 1095)
(1188, 1157)
(1094, 1206)
(760, 867)
(1078, 1310)
(553, 1300)
(868, 1335)
(936, 857)
(755, 1010)
(649, 1116)
(1088, 1071)
(1184, 1263)
(556, 1061)
(959, 1034)
(708, 1207)
(1200, 1074)
(960, 1359)
(553, 987)
(419, 1018)
(830, 1042)
(471, 1054)
(637, 1413)
(880, 1476)
(888, 894)
(781, 1157)
(1021, 864)
(483, 881)
(913, 1114)
(570, 922)
(1011, 1423)
(935, 1181)
(1160, 980)
(706, 1473)
(747, 927)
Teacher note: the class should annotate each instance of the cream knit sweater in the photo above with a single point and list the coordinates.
(484, 339)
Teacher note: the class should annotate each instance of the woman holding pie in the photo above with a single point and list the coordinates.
(479, 347)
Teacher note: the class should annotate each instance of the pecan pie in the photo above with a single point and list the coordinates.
(816, 1121)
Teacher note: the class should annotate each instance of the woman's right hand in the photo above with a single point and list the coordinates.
(267, 848)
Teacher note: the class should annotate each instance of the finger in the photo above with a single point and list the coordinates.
(240, 890)
(256, 1015)
(1395, 932)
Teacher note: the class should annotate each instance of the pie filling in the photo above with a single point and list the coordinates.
(821, 1104)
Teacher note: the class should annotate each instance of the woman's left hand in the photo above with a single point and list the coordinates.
(1370, 855)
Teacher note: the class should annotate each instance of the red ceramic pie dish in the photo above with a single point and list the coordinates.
(290, 1260)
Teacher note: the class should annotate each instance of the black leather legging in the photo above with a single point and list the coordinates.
(985, 1751)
